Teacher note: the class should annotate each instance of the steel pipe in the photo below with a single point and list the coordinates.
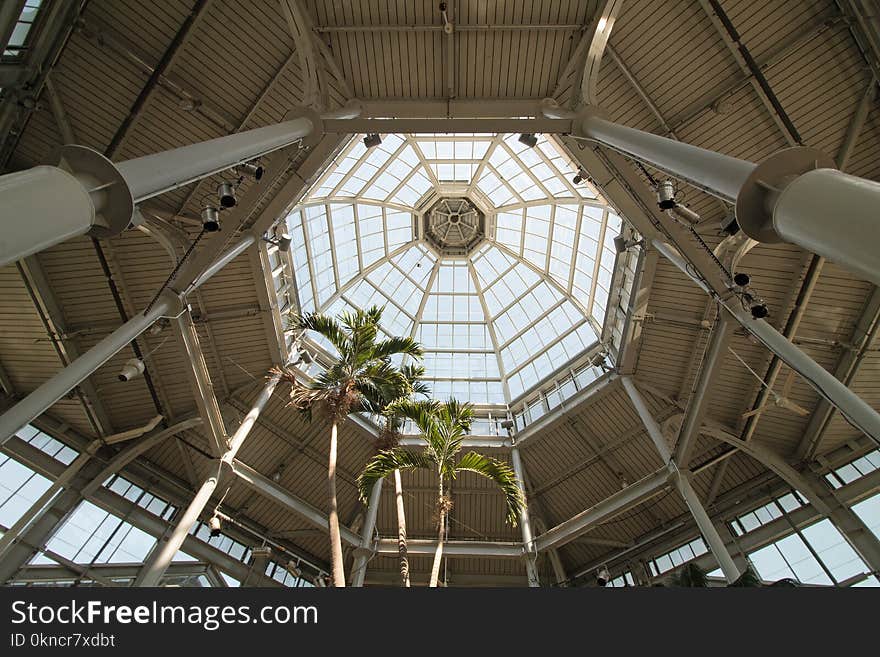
(162, 555)
(720, 175)
(365, 551)
(525, 523)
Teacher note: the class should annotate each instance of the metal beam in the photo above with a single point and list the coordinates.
(525, 522)
(863, 336)
(203, 389)
(288, 500)
(599, 32)
(749, 66)
(707, 379)
(365, 551)
(610, 506)
(451, 126)
(424, 547)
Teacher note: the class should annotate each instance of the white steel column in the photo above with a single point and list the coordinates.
(87, 193)
(525, 524)
(162, 555)
(72, 375)
(789, 196)
(363, 553)
(682, 484)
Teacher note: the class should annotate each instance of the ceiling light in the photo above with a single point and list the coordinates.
(741, 278)
(528, 139)
(226, 195)
(211, 219)
(603, 576)
(214, 524)
(666, 195)
(255, 170)
(372, 139)
(132, 369)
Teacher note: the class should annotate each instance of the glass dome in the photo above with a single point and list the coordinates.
(481, 248)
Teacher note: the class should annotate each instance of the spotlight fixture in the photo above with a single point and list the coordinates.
(132, 369)
(211, 219)
(729, 226)
(160, 325)
(759, 311)
(276, 476)
(372, 139)
(214, 524)
(580, 177)
(741, 279)
(621, 244)
(254, 170)
(528, 139)
(226, 195)
(282, 242)
(603, 576)
(666, 195)
(507, 424)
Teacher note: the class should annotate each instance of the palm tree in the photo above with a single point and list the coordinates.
(359, 378)
(443, 427)
(389, 435)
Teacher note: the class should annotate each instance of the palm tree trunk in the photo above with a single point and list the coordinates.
(401, 530)
(441, 531)
(333, 517)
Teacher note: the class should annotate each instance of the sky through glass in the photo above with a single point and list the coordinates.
(496, 317)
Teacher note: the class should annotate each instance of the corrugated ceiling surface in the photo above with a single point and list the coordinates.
(238, 69)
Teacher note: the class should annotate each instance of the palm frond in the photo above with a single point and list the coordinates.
(397, 345)
(501, 474)
(323, 325)
(386, 462)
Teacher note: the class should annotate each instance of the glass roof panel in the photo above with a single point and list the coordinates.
(496, 316)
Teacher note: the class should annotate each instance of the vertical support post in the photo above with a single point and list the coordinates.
(363, 553)
(525, 522)
(164, 552)
(682, 483)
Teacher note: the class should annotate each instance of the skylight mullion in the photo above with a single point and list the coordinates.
(491, 329)
(553, 167)
(527, 169)
(332, 246)
(559, 338)
(598, 260)
(349, 200)
(382, 169)
(504, 180)
(479, 172)
(549, 279)
(519, 298)
(333, 167)
(534, 322)
(419, 154)
(421, 311)
(362, 275)
(357, 237)
(311, 260)
(390, 299)
(385, 230)
(574, 251)
(549, 237)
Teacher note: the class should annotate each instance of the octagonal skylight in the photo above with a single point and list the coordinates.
(508, 304)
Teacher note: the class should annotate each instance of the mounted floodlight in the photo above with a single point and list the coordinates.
(741, 279)
(507, 424)
(666, 195)
(255, 171)
(282, 242)
(580, 176)
(621, 244)
(211, 219)
(132, 369)
(226, 195)
(372, 139)
(759, 310)
(528, 139)
(214, 524)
